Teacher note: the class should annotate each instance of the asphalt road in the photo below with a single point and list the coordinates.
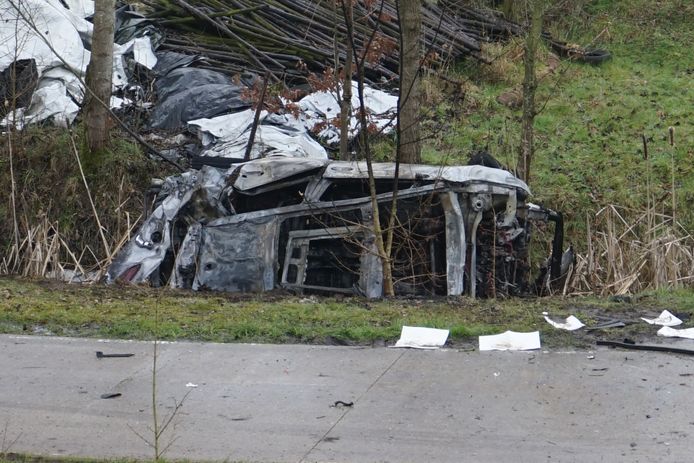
(274, 403)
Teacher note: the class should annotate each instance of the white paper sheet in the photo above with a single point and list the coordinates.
(510, 340)
(422, 338)
(665, 319)
(572, 323)
(673, 333)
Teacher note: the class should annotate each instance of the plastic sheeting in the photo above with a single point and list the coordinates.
(664, 319)
(669, 332)
(570, 324)
(186, 94)
(276, 135)
(57, 37)
(321, 108)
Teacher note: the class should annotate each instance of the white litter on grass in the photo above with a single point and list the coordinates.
(510, 340)
(422, 338)
(572, 323)
(665, 319)
(673, 333)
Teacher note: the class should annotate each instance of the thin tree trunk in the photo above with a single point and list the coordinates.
(410, 20)
(346, 102)
(388, 288)
(529, 88)
(100, 75)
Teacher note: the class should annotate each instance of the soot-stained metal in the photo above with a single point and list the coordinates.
(307, 225)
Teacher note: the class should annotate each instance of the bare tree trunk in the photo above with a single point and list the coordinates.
(346, 102)
(529, 88)
(410, 20)
(100, 75)
(388, 287)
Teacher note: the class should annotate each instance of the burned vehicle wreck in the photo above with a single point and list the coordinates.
(307, 225)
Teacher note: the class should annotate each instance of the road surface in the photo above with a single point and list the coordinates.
(272, 403)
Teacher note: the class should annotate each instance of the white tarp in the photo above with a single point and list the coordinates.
(321, 108)
(417, 337)
(276, 135)
(510, 340)
(82, 8)
(570, 324)
(53, 33)
(142, 52)
(664, 319)
(668, 332)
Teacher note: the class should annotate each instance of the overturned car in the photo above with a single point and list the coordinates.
(307, 225)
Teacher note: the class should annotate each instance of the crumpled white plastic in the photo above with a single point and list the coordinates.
(664, 319)
(572, 323)
(668, 332)
(322, 107)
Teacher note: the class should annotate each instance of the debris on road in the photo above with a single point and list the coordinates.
(664, 319)
(101, 355)
(673, 333)
(111, 395)
(570, 324)
(340, 403)
(510, 340)
(422, 338)
(191, 385)
(628, 344)
(607, 323)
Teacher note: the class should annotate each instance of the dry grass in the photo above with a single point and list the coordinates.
(649, 252)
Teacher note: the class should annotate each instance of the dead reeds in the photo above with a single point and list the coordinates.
(650, 251)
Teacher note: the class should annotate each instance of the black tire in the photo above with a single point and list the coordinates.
(595, 56)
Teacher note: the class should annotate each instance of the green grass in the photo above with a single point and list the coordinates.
(131, 313)
(588, 134)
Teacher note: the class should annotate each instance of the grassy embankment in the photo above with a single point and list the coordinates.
(131, 312)
(589, 146)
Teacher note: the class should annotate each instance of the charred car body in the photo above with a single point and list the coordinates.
(306, 224)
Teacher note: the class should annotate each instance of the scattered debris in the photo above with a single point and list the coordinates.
(340, 403)
(101, 355)
(572, 323)
(647, 347)
(673, 333)
(665, 319)
(422, 338)
(607, 324)
(576, 52)
(111, 395)
(191, 385)
(510, 340)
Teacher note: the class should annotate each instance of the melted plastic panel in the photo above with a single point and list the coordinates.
(238, 256)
